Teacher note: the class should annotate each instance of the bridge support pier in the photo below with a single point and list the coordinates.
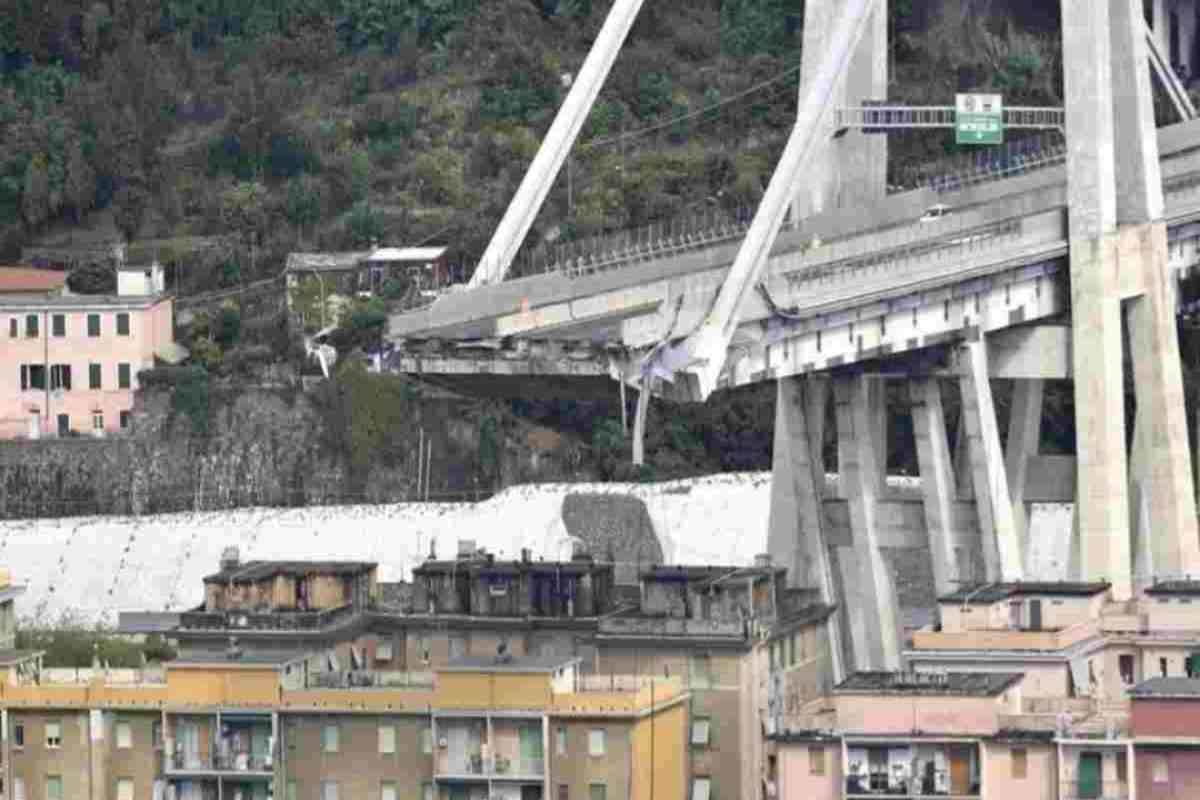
(875, 629)
(1119, 252)
(796, 528)
(852, 169)
(1162, 494)
(1024, 437)
(938, 488)
(1001, 546)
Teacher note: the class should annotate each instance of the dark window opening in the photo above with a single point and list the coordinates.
(33, 376)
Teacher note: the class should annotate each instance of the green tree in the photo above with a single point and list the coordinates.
(35, 199)
(303, 202)
(80, 182)
(360, 175)
(364, 223)
(229, 325)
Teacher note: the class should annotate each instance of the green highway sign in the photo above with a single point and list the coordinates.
(979, 119)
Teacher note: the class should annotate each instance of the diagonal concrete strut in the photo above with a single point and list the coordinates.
(540, 176)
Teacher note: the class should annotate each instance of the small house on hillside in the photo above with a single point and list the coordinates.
(319, 285)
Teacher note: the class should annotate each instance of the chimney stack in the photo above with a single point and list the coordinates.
(230, 559)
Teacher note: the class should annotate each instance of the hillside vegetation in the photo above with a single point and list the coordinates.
(278, 125)
(331, 123)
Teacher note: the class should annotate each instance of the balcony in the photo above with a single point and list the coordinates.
(265, 621)
(879, 786)
(912, 770)
(1082, 790)
(515, 752)
(243, 763)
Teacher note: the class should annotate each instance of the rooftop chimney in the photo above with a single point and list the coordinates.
(230, 558)
(233, 653)
(579, 550)
(762, 560)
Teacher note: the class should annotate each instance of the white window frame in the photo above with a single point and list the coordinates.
(383, 650)
(325, 793)
(124, 735)
(560, 741)
(18, 788)
(597, 742)
(387, 740)
(124, 788)
(1161, 771)
(53, 736)
(62, 794)
(388, 791)
(701, 788)
(701, 731)
(326, 739)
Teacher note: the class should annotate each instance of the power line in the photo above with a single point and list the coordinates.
(691, 114)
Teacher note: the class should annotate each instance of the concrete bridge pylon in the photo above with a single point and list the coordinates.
(1118, 269)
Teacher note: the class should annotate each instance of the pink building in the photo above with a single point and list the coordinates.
(70, 362)
(911, 735)
(1166, 738)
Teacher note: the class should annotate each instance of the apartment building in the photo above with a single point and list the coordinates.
(251, 726)
(707, 627)
(1166, 737)
(913, 735)
(70, 362)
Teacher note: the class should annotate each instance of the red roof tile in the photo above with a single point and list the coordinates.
(29, 279)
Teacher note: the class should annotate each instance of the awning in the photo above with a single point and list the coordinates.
(171, 353)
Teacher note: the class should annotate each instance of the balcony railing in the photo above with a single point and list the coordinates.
(1108, 790)
(672, 626)
(879, 786)
(370, 679)
(492, 767)
(262, 621)
(518, 767)
(221, 762)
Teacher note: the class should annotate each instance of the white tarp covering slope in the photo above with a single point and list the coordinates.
(90, 568)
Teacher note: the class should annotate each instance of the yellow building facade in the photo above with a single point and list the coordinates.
(234, 726)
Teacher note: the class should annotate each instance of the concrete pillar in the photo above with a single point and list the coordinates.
(875, 628)
(852, 169)
(96, 722)
(937, 482)
(1162, 472)
(796, 536)
(1024, 436)
(1102, 505)
(1001, 546)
